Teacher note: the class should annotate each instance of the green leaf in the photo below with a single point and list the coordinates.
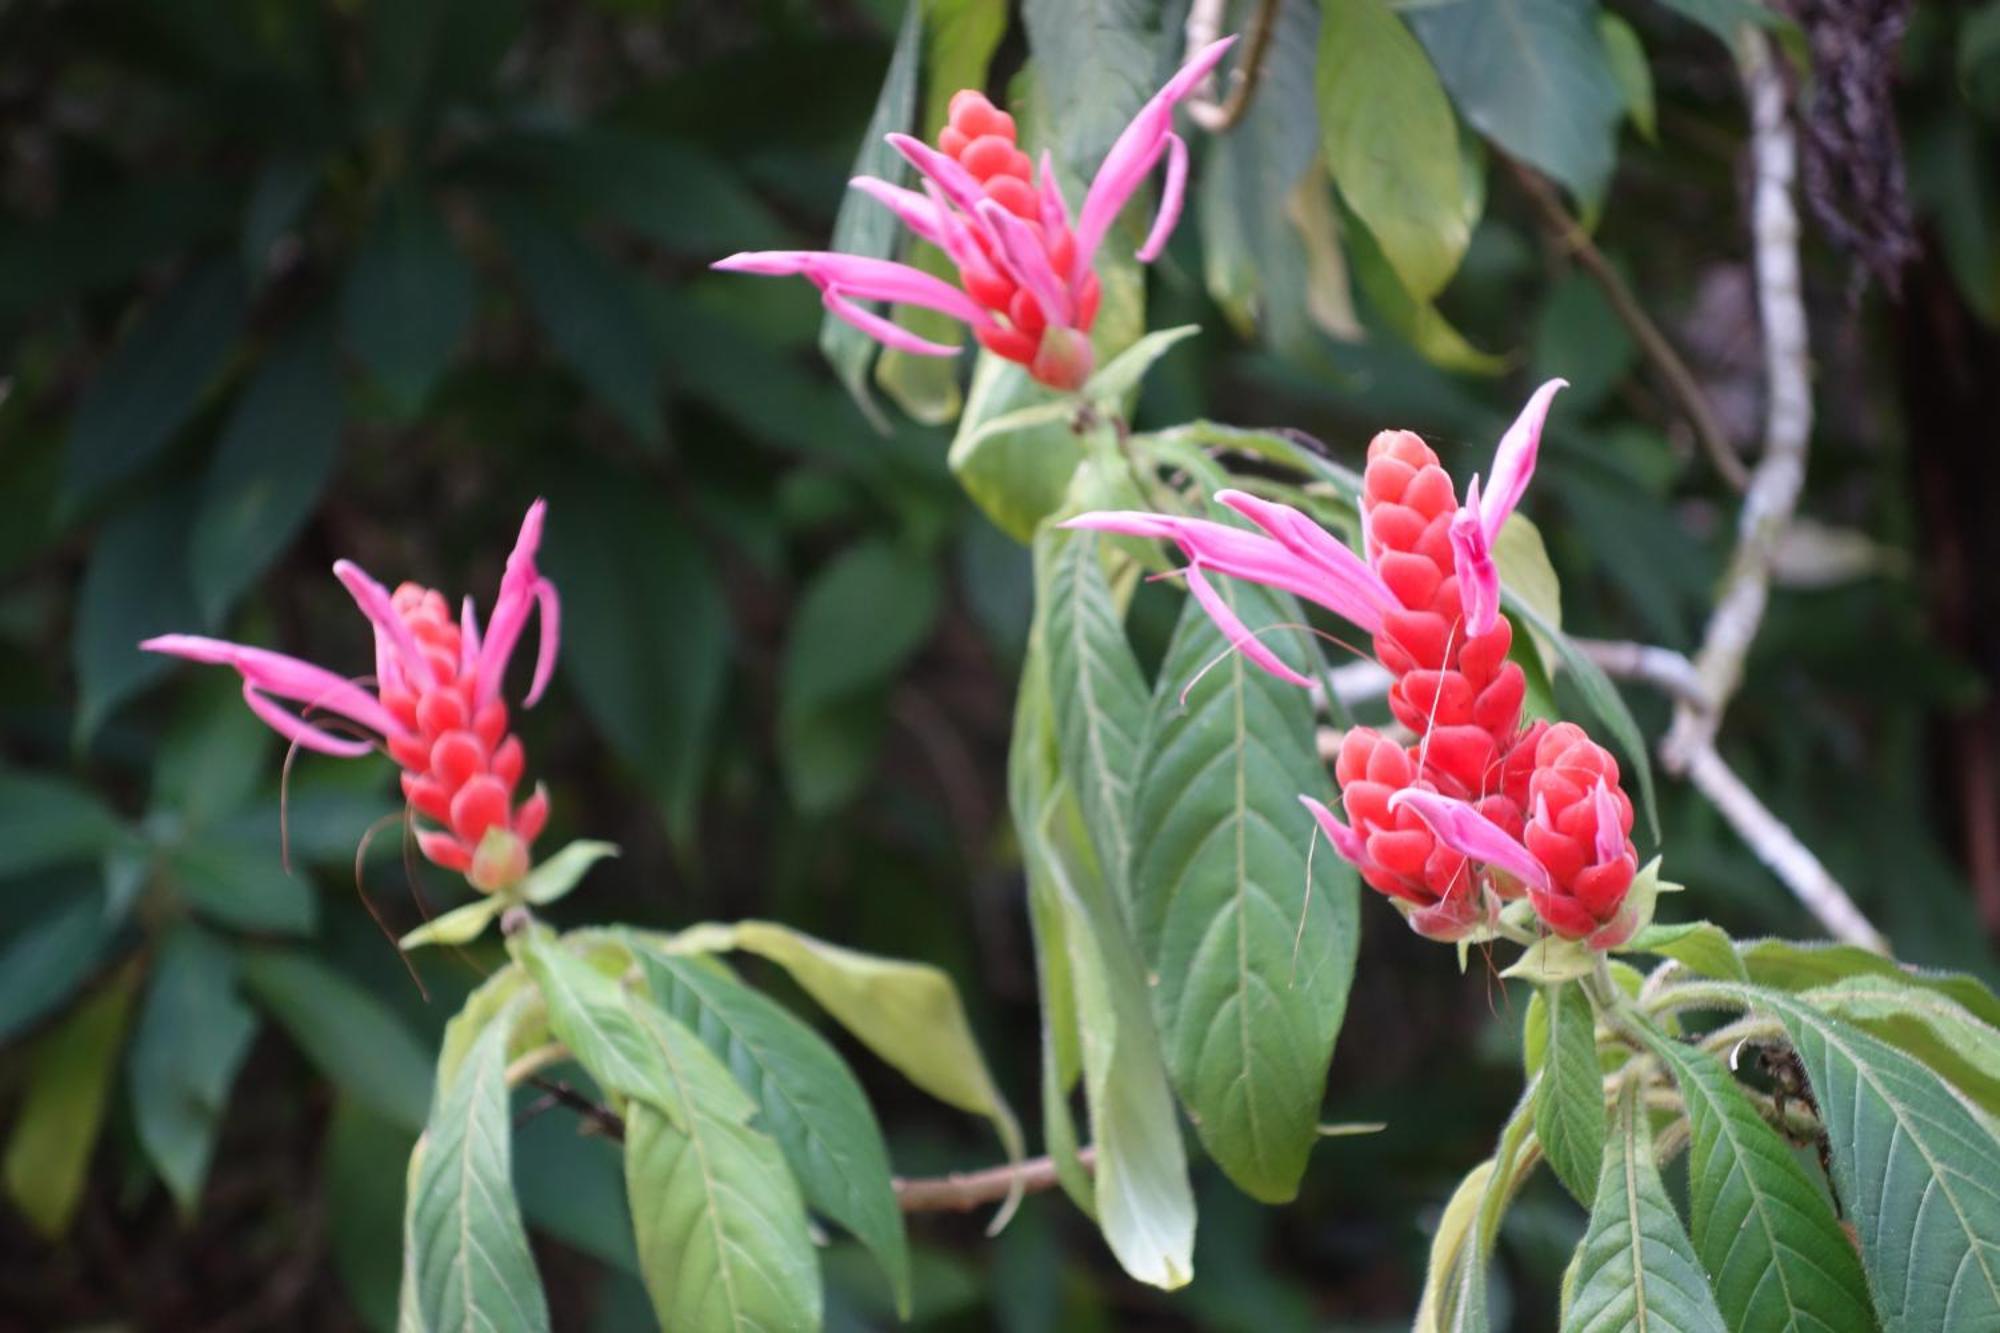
(192, 1037)
(1098, 695)
(1569, 1096)
(1918, 1021)
(46, 960)
(1625, 55)
(1015, 450)
(648, 631)
(1635, 1266)
(56, 1127)
(1448, 1242)
(1698, 945)
(350, 1036)
(150, 385)
(273, 460)
(1786, 965)
(1116, 381)
(585, 304)
(1416, 322)
(1918, 1174)
(1094, 64)
(135, 585)
(864, 227)
(807, 1101)
(461, 925)
(861, 619)
(555, 877)
(468, 1265)
(1765, 1235)
(408, 299)
(1552, 960)
(907, 1013)
(1532, 75)
(49, 821)
(1391, 142)
(1603, 699)
(214, 757)
(1252, 958)
(719, 1222)
(282, 190)
(239, 879)
(589, 1014)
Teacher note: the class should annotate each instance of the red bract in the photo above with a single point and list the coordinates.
(1580, 830)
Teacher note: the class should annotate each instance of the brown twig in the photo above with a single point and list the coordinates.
(963, 1191)
(1204, 25)
(1576, 243)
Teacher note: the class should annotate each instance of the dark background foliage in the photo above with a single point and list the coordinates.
(282, 281)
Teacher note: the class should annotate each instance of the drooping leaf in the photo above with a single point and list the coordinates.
(274, 458)
(1626, 57)
(586, 307)
(214, 756)
(353, 1038)
(648, 632)
(1014, 460)
(468, 1263)
(1700, 946)
(1636, 1268)
(1792, 965)
(1569, 1096)
(56, 1127)
(47, 959)
(192, 1036)
(408, 299)
(1533, 76)
(1917, 1172)
(152, 382)
(282, 190)
(46, 821)
(1416, 322)
(863, 226)
(1770, 1244)
(1391, 143)
(1253, 957)
(135, 585)
(589, 1014)
(1454, 1229)
(807, 1100)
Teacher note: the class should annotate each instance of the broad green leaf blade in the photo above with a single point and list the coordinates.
(192, 1036)
(1448, 1242)
(1786, 965)
(1016, 449)
(1697, 945)
(1252, 959)
(56, 1125)
(214, 757)
(1098, 696)
(238, 878)
(589, 1014)
(48, 821)
(648, 631)
(1533, 76)
(1625, 55)
(47, 959)
(907, 1013)
(864, 227)
(584, 302)
(150, 385)
(275, 456)
(1919, 1175)
(135, 585)
(1119, 379)
(1094, 63)
(1602, 697)
(1636, 1268)
(1569, 1096)
(1924, 1023)
(1391, 143)
(1417, 322)
(469, 1265)
(365, 1205)
(1776, 1256)
(721, 1229)
(350, 1036)
(408, 299)
(555, 877)
(807, 1101)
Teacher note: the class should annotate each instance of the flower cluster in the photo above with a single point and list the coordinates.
(1027, 286)
(435, 707)
(1479, 809)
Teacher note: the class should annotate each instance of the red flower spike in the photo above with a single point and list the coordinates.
(1579, 827)
(1444, 894)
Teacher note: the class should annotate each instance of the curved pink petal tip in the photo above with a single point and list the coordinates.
(1471, 834)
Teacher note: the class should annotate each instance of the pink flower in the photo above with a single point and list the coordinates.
(436, 705)
(1028, 289)
(1476, 526)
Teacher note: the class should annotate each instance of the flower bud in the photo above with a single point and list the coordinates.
(1579, 827)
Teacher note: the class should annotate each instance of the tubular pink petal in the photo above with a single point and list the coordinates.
(884, 331)
(1469, 833)
(287, 677)
(858, 276)
(374, 601)
(1610, 837)
(1353, 848)
(1125, 523)
(1240, 636)
(769, 263)
(468, 634)
(1478, 575)
(1135, 153)
(1049, 195)
(955, 236)
(511, 606)
(550, 606)
(1514, 461)
(301, 732)
(1029, 261)
(1306, 539)
(959, 185)
(1170, 200)
(915, 211)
